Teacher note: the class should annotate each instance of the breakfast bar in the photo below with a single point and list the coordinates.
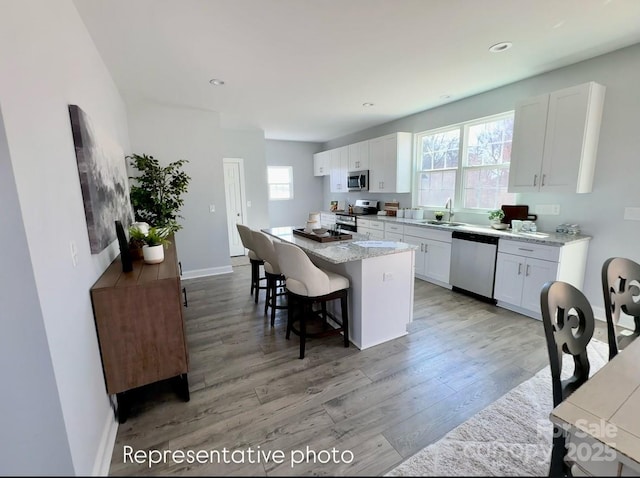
(381, 282)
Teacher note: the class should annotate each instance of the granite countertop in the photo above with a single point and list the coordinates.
(338, 252)
(548, 238)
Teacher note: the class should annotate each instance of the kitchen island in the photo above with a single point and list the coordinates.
(380, 274)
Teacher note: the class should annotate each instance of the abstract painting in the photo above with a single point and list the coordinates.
(103, 180)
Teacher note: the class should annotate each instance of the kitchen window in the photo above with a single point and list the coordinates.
(280, 180)
(468, 162)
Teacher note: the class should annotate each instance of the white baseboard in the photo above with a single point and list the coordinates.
(105, 449)
(211, 271)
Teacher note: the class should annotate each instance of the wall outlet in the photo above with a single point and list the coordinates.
(387, 276)
(632, 213)
(212, 208)
(248, 203)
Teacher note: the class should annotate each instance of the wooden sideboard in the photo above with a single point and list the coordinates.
(140, 327)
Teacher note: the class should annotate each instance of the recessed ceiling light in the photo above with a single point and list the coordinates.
(216, 82)
(500, 47)
(367, 105)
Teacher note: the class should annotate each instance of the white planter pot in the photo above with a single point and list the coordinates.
(153, 254)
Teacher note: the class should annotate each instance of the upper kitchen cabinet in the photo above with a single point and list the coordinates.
(555, 140)
(390, 163)
(359, 156)
(321, 163)
(339, 166)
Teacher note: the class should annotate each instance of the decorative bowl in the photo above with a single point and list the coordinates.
(499, 225)
(320, 231)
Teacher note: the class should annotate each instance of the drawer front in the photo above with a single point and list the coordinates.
(528, 249)
(363, 223)
(393, 236)
(395, 228)
(379, 225)
(428, 233)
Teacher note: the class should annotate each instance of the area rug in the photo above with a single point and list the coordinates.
(511, 437)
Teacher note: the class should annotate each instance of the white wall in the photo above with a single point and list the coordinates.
(307, 188)
(48, 61)
(170, 133)
(599, 213)
(33, 435)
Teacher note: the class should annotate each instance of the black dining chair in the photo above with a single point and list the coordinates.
(621, 290)
(568, 327)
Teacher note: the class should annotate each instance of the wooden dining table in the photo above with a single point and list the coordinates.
(602, 419)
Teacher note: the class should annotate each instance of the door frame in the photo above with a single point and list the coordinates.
(243, 199)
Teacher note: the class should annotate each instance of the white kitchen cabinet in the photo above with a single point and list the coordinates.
(321, 163)
(339, 166)
(390, 163)
(522, 268)
(374, 230)
(327, 219)
(359, 156)
(433, 258)
(555, 140)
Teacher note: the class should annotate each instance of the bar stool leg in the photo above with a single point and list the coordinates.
(274, 300)
(306, 309)
(290, 314)
(254, 275)
(268, 294)
(345, 318)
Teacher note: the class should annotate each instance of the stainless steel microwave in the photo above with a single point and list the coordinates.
(358, 180)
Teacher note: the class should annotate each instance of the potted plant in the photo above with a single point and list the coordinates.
(153, 242)
(157, 192)
(495, 218)
(438, 215)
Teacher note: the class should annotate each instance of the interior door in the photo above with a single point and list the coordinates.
(234, 195)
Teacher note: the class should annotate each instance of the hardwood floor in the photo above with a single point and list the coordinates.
(249, 390)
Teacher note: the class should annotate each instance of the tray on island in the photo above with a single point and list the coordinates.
(330, 235)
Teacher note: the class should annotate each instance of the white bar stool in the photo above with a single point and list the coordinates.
(306, 285)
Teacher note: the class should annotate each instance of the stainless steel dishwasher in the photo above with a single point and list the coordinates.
(473, 263)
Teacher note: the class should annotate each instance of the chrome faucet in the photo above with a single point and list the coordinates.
(449, 207)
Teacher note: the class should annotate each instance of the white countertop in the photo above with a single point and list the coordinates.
(548, 238)
(337, 252)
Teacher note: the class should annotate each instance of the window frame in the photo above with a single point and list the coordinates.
(458, 196)
(290, 183)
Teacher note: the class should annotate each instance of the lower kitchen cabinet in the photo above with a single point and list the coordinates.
(373, 229)
(393, 232)
(522, 269)
(327, 219)
(433, 258)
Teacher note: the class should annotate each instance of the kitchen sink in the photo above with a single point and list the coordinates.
(444, 223)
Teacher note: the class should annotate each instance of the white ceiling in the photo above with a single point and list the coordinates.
(301, 69)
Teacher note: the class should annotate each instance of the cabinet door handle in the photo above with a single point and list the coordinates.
(180, 266)
(528, 267)
(421, 247)
(523, 249)
(535, 179)
(519, 268)
(543, 176)
(184, 292)
(426, 248)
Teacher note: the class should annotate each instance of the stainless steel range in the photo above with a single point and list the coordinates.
(348, 220)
